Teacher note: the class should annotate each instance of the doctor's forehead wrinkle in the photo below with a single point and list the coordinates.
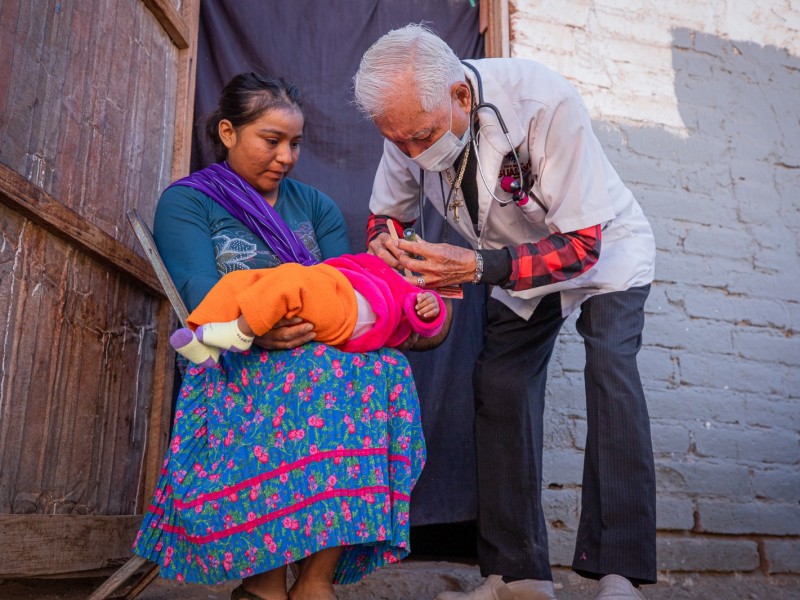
(410, 128)
(414, 137)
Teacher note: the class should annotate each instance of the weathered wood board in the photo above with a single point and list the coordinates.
(95, 115)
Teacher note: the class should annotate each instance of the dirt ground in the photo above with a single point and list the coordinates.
(421, 580)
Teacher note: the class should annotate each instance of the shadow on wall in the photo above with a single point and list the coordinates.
(725, 205)
(721, 351)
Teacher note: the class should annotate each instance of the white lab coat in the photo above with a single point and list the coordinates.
(550, 127)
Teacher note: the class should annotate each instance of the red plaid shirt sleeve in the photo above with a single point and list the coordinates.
(556, 258)
(378, 224)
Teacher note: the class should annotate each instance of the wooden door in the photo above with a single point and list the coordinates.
(95, 116)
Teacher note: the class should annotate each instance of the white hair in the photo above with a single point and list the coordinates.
(412, 53)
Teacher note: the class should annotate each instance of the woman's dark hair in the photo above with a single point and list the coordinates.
(244, 99)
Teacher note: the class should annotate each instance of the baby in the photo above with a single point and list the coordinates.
(356, 303)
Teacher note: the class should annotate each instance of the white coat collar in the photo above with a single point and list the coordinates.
(494, 94)
(494, 145)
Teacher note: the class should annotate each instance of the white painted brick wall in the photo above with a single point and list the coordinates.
(697, 105)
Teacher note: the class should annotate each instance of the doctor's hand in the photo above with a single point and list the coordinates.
(286, 334)
(383, 247)
(442, 264)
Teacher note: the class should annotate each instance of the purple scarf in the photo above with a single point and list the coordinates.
(234, 194)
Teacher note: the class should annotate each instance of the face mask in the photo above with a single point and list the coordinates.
(444, 151)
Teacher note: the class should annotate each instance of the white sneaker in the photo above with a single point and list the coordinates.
(616, 587)
(494, 588)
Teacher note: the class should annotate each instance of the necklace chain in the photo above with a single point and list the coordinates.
(456, 185)
(461, 169)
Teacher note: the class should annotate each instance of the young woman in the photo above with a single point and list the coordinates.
(293, 450)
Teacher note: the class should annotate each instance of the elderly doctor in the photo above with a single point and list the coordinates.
(505, 151)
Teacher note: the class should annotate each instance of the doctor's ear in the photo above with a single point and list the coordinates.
(463, 94)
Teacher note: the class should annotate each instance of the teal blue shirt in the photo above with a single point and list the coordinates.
(199, 241)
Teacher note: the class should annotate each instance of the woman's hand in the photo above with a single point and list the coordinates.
(443, 264)
(286, 334)
(410, 341)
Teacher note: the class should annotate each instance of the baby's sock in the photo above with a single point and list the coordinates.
(187, 345)
(227, 336)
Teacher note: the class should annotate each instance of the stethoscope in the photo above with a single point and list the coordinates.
(509, 183)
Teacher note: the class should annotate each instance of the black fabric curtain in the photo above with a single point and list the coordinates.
(318, 46)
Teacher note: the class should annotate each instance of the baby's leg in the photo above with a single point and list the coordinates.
(235, 335)
(187, 345)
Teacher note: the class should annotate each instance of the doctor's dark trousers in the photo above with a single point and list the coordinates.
(617, 530)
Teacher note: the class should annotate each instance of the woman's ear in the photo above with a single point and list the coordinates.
(227, 133)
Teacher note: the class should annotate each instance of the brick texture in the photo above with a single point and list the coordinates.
(696, 106)
(782, 556)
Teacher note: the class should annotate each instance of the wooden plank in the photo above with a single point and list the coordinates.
(22, 196)
(495, 25)
(54, 544)
(147, 578)
(160, 407)
(160, 403)
(171, 20)
(184, 103)
(119, 578)
(148, 245)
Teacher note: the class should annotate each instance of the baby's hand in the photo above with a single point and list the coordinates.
(427, 307)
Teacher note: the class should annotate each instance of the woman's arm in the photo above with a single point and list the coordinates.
(182, 233)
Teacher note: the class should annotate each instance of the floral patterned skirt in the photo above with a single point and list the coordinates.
(276, 455)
